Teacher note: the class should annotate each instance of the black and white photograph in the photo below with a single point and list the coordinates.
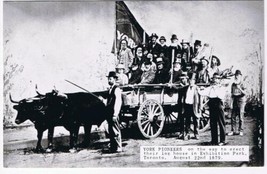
(133, 84)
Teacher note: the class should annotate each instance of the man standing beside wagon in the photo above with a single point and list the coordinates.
(114, 103)
(238, 101)
(216, 94)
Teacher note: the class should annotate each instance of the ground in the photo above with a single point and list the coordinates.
(130, 157)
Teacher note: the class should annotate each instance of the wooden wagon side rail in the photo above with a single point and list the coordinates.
(159, 85)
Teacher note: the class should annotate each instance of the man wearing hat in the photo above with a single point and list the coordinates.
(186, 52)
(215, 94)
(214, 65)
(190, 110)
(177, 71)
(122, 78)
(196, 49)
(148, 58)
(135, 74)
(154, 47)
(183, 82)
(162, 75)
(163, 48)
(148, 74)
(188, 95)
(203, 73)
(114, 102)
(174, 47)
(198, 53)
(238, 102)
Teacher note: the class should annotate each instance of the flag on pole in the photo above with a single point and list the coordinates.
(128, 28)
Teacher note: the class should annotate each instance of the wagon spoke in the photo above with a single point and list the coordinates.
(157, 114)
(175, 118)
(143, 117)
(144, 122)
(205, 114)
(148, 129)
(145, 111)
(171, 121)
(153, 107)
(156, 110)
(157, 124)
(150, 108)
(167, 119)
(204, 120)
(150, 118)
(146, 126)
(200, 124)
(152, 133)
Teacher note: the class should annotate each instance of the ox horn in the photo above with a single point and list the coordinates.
(36, 89)
(11, 99)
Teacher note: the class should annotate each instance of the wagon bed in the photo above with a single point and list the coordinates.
(153, 106)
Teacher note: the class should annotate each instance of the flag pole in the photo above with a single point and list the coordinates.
(172, 66)
(260, 75)
(144, 37)
(115, 41)
(211, 52)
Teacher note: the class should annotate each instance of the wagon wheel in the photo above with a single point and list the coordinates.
(170, 116)
(150, 118)
(203, 114)
(204, 121)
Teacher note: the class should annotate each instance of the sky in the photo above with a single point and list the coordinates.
(219, 23)
(53, 41)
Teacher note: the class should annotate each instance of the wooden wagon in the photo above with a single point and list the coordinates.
(153, 106)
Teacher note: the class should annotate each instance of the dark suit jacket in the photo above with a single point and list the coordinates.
(154, 50)
(181, 98)
(186, 55)
(162, 76)
(163, 49)
(136, 76)
(177, 50)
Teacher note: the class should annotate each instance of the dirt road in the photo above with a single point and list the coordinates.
(130, 157)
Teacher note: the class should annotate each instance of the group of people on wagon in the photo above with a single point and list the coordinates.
(186, 65)
(157, 63)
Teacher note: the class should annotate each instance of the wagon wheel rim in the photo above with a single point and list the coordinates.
(204, 120)
(150, 118)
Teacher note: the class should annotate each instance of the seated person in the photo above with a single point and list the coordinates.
(135, 74)
(163, 46)
(153, 64)
(187, 50)
(167, 62)
(182, 82)
(162, 75)
(214, 66)
(177, 72)
(148, 74)
(122, 78)
(139, 56)
(197, 54)
(203, 73)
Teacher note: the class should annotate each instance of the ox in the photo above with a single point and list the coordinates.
(70, 110)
